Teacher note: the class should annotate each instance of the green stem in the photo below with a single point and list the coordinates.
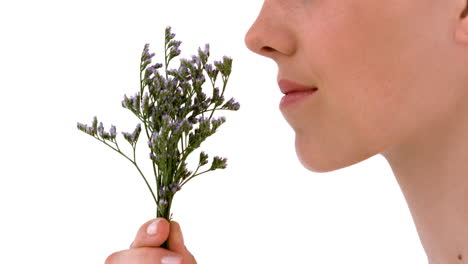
(220, 109)
(167, 215)
(189, 178)
(146, 130)
(222, 93)
(182, 142)
(165, 245)
(133, 162)
(166, 62)
(182, 160)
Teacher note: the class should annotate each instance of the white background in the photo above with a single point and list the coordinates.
(66, 198)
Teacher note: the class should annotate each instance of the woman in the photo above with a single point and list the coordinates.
(392, 79)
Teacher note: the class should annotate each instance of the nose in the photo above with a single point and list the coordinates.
(256, 40)
(269, 35)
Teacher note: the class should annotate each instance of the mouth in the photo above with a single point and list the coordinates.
(299, 91)
(295, 97)
(287, 87)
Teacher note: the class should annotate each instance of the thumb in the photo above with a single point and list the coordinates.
(153, 233)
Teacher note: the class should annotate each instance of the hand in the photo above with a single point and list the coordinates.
(146, 249)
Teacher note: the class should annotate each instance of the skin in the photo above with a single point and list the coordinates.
(146, 248)
(392, 79)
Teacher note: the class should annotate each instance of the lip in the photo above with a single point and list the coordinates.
(287, 86)
(293, 98)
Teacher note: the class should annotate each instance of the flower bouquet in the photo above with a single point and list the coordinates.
(170, 106)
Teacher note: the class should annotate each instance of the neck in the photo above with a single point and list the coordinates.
(432, 171)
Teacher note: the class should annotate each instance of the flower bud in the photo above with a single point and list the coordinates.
(100, 127)
(218, 163)
(163, 202)
(203, 158)
(113, 132)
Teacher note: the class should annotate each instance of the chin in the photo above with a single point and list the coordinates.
(313, 159)
(325, 158)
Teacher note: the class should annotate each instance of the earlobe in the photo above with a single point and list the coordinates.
(461, 34)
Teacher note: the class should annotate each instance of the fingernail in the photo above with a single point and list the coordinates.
(152, 229)
(171, 260)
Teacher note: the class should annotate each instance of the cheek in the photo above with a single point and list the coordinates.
(357, 107)
(347, 131)
(378, 85)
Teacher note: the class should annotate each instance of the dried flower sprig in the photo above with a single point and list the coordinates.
(169, 107)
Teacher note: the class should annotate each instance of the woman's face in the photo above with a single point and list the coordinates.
(384, 71)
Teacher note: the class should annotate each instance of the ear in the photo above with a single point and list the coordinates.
(461, 34)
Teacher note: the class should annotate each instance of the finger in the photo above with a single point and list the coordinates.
(144, 255)
(176, 243)
(152, 233)
(176, 240)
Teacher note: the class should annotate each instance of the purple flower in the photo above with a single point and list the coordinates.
(175, 188)
(215, 95)
(95, 123)
(90, 130)
(165, 118)
(176, 44)
(81, 126)
(145, 106)
(218, 163)
(168, 34)
(204, 54)
(231, 105)
(133, 137)
(100, 129)
(178, 126)
(182, 71)
(163, 202)
(202, 119)
(196, 60)
(203, 158)
(113, 132)
(149, 71)
(217, 122)
(135, 102)
(209, 69)
(201, 79)
(145, 54)
(174, 48)
(218, 65)
(154, 157)
(154, 136)
(175, 52)
(126, 102)
(136, 131)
